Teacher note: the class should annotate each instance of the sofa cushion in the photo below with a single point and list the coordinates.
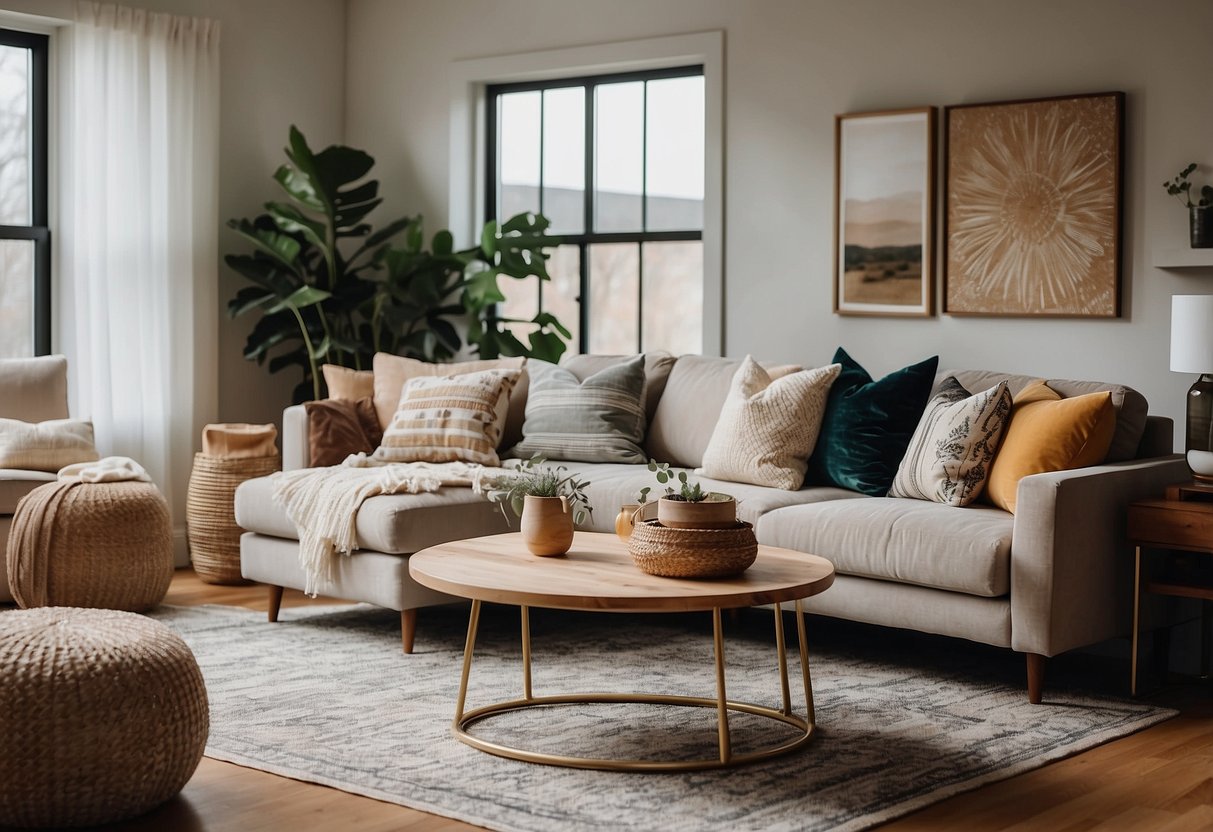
(392, 372)
(598, 419)
(46, 446)
(767, 429)
(657, 366)
(33, 389)
(949, 457)
(686, 415)
(908, 541)
(868, 424)
(391, 523)
(16, 483)
(615, 485)
(345, 383)
(1048, 433)
(1131, 406)
(337, 428)
(456, 418)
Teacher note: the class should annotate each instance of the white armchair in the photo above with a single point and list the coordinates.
(32, 390)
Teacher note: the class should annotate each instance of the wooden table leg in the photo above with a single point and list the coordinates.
(1136, 620)
(722, 708)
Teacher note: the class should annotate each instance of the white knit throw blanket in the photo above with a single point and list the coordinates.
(323, 503)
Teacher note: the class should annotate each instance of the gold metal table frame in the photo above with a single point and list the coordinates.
(725, 759)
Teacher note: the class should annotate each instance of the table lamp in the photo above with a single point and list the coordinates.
(1192, 352)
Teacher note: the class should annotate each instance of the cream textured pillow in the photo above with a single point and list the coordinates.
(450, 419)
(954, 444)
(767, 429)
(45, 446)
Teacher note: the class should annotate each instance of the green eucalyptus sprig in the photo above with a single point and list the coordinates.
(535, 480)
(1181, 188)
(687, 491)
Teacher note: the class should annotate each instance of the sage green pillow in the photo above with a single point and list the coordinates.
(868, 425)
(600, 419)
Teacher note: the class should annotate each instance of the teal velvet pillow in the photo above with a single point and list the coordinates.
(868, 425)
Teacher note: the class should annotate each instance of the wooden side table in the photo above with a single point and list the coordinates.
(1182, 521)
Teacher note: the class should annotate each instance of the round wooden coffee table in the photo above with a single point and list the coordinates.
(598, 575)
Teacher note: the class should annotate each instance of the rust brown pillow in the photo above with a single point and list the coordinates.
(337, 428)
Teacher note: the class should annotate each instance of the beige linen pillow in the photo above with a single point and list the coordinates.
(45, 446)
(346, 384)
(457, 418)
(392, 372)
(768, 428)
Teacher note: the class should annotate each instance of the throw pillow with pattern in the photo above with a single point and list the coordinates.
(600, 419)
(949, 457)
(455, 418)
(767, 429)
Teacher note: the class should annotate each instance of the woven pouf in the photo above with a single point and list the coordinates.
(107, 545)
(103, 716)
(210, 515)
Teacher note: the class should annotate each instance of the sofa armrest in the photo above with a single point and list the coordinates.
(1071, 565)
(295, 450)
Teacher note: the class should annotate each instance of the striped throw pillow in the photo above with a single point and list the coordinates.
(455, 418)
(600, 419)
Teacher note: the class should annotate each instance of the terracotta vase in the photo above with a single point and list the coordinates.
(547, 525)
(718, 513)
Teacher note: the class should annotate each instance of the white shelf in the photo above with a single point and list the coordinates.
(1182, 257)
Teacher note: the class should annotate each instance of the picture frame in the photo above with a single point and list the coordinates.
(884, 212)
(1033, 211)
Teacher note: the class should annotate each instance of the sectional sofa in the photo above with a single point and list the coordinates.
(1052, 577)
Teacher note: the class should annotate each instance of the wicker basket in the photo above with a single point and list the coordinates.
(210, 517)
(692, 553)
(103, 716)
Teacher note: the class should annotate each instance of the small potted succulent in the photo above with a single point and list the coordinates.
(548, 501)
(1200, 210)
(689, 507)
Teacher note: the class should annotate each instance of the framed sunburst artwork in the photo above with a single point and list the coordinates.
(1032, 223)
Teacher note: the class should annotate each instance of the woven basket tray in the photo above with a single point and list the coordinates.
(210, 518)
(692, 553)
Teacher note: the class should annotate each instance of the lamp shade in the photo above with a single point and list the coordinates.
(1192, 333)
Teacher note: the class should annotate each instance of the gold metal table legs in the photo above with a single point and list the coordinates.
(725, 758)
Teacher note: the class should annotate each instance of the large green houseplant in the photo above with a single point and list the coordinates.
(331, 289)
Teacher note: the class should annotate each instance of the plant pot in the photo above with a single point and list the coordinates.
(546, 525)
(1200, 226)
(718, 511)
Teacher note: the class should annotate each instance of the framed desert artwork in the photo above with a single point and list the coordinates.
(1032, 223)
(884, 212)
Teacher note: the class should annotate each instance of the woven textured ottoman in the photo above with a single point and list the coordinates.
(103, 716)
(105, 544)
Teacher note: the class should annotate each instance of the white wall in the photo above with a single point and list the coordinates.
(791, 65)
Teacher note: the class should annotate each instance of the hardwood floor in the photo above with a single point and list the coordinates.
(1159, 779)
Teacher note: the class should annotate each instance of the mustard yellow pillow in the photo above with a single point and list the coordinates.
(1049, 433)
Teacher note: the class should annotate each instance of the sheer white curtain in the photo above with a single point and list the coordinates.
(138, 247)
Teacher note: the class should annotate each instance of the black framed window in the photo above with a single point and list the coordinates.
(25, 313)
(616, 162)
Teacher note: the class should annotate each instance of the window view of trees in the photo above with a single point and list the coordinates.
(617, 164)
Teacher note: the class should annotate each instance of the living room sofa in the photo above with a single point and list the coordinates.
(1052, 577)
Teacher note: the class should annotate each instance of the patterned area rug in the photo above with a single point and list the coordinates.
(326, 696)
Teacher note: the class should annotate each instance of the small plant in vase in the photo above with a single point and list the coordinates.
(1200, 209)
(547, 501)
(689, 506)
